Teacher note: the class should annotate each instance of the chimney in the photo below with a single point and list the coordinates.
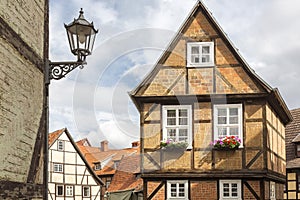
(104, 145)
(135, 144)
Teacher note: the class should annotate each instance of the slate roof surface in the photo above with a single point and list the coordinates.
(291, 134)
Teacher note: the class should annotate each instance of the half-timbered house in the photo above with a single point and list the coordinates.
(292, 189)
(70, 176)
(202, 90)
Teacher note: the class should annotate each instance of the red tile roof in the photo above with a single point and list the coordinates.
(94, 155)
(127, 175)
(54, 135)
(84, 142)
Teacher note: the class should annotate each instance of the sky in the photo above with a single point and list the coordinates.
(93, 102)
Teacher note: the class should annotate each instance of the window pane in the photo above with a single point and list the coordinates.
(205, 58)
(195, 50)
(226, 189)
(86, 191)
(171, 113)
(205, 49)
(173, 190)
(222, 112)
(171, 121)
(222, 132)
(221, 120)
(60, 190)
(195, 59)
(183, 112)
(234, 190)
(171, 134)
(234, 131)
(233, 120)
(183, 121)
(233, 111)
(181, 190)
(69, 190)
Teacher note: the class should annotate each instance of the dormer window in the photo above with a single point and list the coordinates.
(200, 54)
(116, 164)
(298, 150)
(60, 145)
(97, 166)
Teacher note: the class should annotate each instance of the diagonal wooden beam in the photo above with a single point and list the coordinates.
(156, 190)
(254, 159)
(226, 81)
(152, 160)
(251, 190)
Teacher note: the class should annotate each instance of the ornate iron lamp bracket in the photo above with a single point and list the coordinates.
(58, 70)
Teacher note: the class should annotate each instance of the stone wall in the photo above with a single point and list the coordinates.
(23, 48)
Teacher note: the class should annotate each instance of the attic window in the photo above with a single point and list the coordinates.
(60, 145)
(97, 166)
(116, 164)
(200, 54)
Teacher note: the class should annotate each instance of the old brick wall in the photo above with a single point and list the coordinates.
(23, 49)
(204, 190)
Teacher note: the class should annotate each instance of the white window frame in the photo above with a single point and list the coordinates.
(230, 182)
(69, 190)
(227, 125)
(177, 182)
(60, 195)
(83, 191)
(177, 126)
(272, 190)
(200, 45)
(60, 145)
(58, 167)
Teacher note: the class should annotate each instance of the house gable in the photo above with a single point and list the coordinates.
(69, 169)
(230, 74)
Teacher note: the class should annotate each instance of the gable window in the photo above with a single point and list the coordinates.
(230, 189)
(60, 145)
(200, 54)
(69, 190)
(177, 123)
(272, 191)
(57, 167)
(86, 191)
(228, 121)
(177, 189)
(59, 190)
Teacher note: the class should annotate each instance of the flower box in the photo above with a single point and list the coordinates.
(228, 143)
(170, 145)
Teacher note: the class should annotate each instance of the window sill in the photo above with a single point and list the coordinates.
(200, 65)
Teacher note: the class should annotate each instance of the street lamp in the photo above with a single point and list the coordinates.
(81, 36)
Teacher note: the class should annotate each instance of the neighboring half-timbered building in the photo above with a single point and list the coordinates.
(202, 90)
(70, 176)
(292, 189)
